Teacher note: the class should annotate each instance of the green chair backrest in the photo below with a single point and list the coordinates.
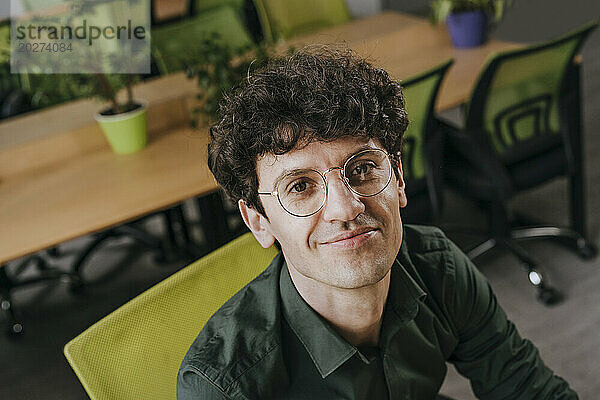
(518, 94)
(420, 93)
(36, 5)
(171, 43)
(5, 42)
(135, 352)
(282, 19)
(204, 5)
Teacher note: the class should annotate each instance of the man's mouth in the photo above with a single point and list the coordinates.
(351, 239)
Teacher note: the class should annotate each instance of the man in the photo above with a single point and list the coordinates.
(355, 306)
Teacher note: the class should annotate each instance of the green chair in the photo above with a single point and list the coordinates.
(422, 147)
(173, 42)
(522, 129)
(204, 5)
(135, 352)
(37, 5)
(283, 19)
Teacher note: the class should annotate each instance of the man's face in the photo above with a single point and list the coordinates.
(352, 241)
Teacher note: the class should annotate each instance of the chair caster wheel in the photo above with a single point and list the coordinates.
(549, 296)
(587, 251)
(15, 329)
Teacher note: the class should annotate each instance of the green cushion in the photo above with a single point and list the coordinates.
(282, 19)
(135, 352)
(171, 43)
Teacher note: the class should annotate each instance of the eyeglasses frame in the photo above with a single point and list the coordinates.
(323, 175)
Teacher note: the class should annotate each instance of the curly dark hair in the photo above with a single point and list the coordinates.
(317, 94)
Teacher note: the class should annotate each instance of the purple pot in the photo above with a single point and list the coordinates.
(467, 29)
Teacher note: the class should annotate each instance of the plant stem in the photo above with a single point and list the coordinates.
(106, 88)
(129, 86)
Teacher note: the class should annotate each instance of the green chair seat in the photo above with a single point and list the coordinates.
(135, 352)
(172, 43)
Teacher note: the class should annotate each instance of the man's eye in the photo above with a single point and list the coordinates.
(299, 187)
(362, 169)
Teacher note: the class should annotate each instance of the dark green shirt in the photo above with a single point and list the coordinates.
(267, 343)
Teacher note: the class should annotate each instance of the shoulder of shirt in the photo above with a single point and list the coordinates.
(425, 239)
(429, 256)
(240, 335)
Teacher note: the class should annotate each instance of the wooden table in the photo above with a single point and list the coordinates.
(64, 199)
(70, 184)
(405, 45)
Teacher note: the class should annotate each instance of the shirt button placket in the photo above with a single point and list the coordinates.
(393, 379)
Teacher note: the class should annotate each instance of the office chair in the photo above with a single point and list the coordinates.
(522, 129)
(283, 19)
(175, 42)
(135, 352)
(422, 147)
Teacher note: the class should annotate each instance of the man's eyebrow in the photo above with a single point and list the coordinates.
(286, 172)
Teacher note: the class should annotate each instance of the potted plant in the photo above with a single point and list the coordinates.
(123, 122)
(468, 21)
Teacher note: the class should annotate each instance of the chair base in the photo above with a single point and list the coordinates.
(573, 240)
(179, 244)
(10, 282)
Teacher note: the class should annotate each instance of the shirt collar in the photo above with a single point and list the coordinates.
(405, 292)
(327, 348)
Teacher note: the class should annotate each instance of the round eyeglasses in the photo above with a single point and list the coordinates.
(303, 192)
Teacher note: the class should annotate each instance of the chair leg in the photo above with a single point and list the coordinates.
(214, 220)
(151, 241)
(501, 235)
(482, 248)
(570, 238)
(584, 248)
(188, 245)
(577, 201)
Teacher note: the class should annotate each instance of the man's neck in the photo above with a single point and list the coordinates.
(356, 314)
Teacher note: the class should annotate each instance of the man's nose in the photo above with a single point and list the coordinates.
(341, 203)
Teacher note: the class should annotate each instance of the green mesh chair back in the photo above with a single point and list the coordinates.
(420, 93)
(282, 19)
(518, 95)
(135, 352)
(171, 43)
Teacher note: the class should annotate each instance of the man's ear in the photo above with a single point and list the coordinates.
(401, 185)
(257, 223)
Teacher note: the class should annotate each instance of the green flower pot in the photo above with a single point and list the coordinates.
(125, 132)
